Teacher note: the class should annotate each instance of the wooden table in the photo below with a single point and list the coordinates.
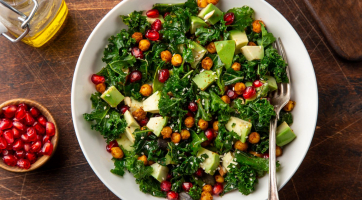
(331, 169)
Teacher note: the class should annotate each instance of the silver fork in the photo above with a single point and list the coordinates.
(279, 99)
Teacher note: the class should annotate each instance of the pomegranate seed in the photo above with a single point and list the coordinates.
(152, 13)
(218, 188)
(171, 195)
(209, 133)
(97, 79)
(166, 13)
(189, 114)
(27, 147)
(266, 155)
(6, 152)
(24, 106)
(18, 145)
(166, 186)
(135, 76)
(23, 163)
(50, 129)
(1, 132)
(123, 109)
(9, 147)
(31, 157)
(40, 153)
(42, 120)
(18, 125)
(3, 143)
(47, 149)
(192, 107)
(186, 186)
(144, 121)
(9, 136)
(39, 138)
(199, 172)
(136, 52)
(152, 35)
(29, 120)
(231, 94)
(156, 25)
(110, 145)
(10, 160)
(20, 112)
(24, 138)
(229, 18)
(34, 112)
(169, 177)
(35, 147)
(257, 83)
(9, 111)
(249, 92)
(31, 133)
(39, 128)
(20, 154)
(16, 132)
(5, 124)
(163, 75)
(46, 138)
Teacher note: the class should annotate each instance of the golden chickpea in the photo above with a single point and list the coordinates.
(189, 122)
(176, 137)
(207, 63)
(254, 138)
(207, 188)
(226, 99)
(251, 44)
(241, 146)
(239, 88)
(257, 26)
(143, 159)
(236, 66)
(146, 90)
(256, 154)
(144, 45)
(222, 171)
(176, 60)
(219, 179)
(117, 152)
(166, 132)
(215, 126)
(185, 134)
(139, 114)
(203, 124)
(202, 3)
(101, 88)
(278, 151)
(137, 36)
(166, 56)
(290, 106)
(213, 1)
(211, 47)
(206, 196)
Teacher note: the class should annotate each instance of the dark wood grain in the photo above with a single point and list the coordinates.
(331, 169)
(340, 22)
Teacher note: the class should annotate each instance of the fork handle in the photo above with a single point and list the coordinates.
(273, 189)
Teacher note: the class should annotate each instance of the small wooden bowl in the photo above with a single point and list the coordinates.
(45, 112)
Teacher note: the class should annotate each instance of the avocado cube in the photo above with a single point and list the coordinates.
(112, 96)
(271, 82)
(159, 172)
(132, 104)
(263, 90)
(169, 159)
(156, 124)
(240, 39)
(198, 52)
(228, 159)
(226, 49)
(125, 143)
(205, 79)
(211, 163)
(151, 103)
(253, 52)
(211, 13)
(240, 127)
(196, 22)
(132, 125)
(284, 134)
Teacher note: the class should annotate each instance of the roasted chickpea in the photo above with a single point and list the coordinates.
(278, 151)
(222, 171)
(101, 88)
(144, 45)
(176, 60)
(211, 47)
(166, 56)
(189, 122)
(226, 99)
(219, 179)
(166, 132)
(207, 188)
(215, 126)
(206, 196)
(236, 66)
(289, 107)
(137, 36)
(146, 90)
(254, 138)
(202, 3)
(257, 26)
(239, 88)
(251, 44)
(213, 1)
(256, 154)
(185, 134)
(176, 137)
(139, 114)
(143, 159)
(117, 152)
(207, 63)
(203, 124)
(241, 146)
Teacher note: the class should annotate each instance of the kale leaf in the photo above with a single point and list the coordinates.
(118, 43)
(242, 178)
(275, 65)
(225, 140)
(136, 22)
(285, 117)
(195, 192)
(151, 186)
(243, 17)
(266, 39)
(261, 147)
(231, 76)
(119, 167)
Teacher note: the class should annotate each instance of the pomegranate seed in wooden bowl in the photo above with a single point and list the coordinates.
(30, 130)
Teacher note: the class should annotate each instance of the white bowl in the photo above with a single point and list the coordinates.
(304, 92)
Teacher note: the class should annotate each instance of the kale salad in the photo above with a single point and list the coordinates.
(182, 101)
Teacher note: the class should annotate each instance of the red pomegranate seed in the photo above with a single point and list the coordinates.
(111, 144)
(50, 129)
(23, 163)
(9, 147)
(46, 138)
(171, 195)
(24, 106)
(29, 120)
(257, 83)
(249, 92)
(31, 157)
(186, 186)
(163, 75)
(152, 13)
(10, 160)
(20, 112)
(152, 35)
(123, 109)
(27, 147)
(20, 154)
(35, 147)
(24, 137)
(31, 133)
(97, 79)
(209, 133)
(16, 132)
(5, 124)
(18, 145)
(156, 25)
(34, 112)
(3, 143)
(218, 188)
(189, 114)
(199, 172)
(1, 132)
(9, 111)
(135, 76)
(39, 138)
(166, 186)
(192, 107)
(136, 52)
(144, 121)
(231, 94)
(18, 125)
(42, 120)
(39, 128)
(9, 136)
(266, 155)
(47, 149)
(169, 177)
(6, 152)
(229, 18)
(166, 13)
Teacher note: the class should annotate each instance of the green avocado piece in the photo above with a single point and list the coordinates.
(151, 103)
(250, 99)
(263, 90)
(112, 96)
(226, 49)
(196, 22)
(239, 126)
(240, 39)
(253, 52)
(156, 124)
(169, 160)
(228, 159)
(284, 134)
(205, 79)
(198, 52)
(211, 163)
(271, 82)
(249, 84)
(211, 13)
(125, 143)
(159, 172)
